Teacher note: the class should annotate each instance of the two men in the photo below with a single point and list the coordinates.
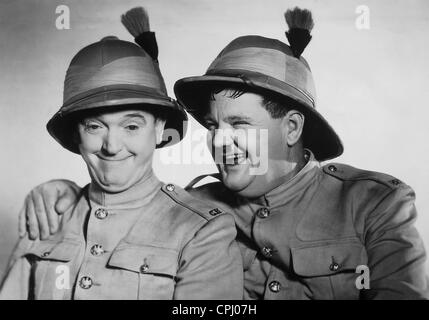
(303, 229)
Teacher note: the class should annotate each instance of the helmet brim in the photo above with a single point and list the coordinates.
(62, 125)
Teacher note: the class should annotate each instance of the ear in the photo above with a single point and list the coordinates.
(293, 125)
(159, 130)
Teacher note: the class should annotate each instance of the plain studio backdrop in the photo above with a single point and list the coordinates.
(371, 83)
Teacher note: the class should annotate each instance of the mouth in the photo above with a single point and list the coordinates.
(113, 159)
(234, 159)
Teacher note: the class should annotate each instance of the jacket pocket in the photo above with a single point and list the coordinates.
(57, 250)
(156, 268)
(329, 270)
(51, 277)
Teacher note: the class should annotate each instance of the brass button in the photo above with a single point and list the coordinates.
(101, 213)
(85, 282)
(268, 252)
(275, 286)
(332, 168)
(263, 213)
(144, 268)
(170, 187)
(334, 266)
(97, 250)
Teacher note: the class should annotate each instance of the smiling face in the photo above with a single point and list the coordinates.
(118, 147)
(235, 128)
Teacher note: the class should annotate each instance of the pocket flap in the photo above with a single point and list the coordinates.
(63, 250)
(145, 259)
(328, 259)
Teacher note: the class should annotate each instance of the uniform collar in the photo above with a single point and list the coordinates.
(288, 189)
(134, 197)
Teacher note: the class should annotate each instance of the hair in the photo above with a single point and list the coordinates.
(276, 106)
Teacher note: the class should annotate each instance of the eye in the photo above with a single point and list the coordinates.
(92, 127)
(240, 123)
(211, 125)
(132, 127)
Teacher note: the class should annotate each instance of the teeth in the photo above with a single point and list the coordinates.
(235, 159)
(236, 155)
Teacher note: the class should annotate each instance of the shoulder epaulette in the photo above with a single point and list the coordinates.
(182, 197)
(345, 172)
(194, 181)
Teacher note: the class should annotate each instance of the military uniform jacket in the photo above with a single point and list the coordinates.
(321, 234)
(153, 242)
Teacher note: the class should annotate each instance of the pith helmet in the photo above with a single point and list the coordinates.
(114, 74)
(273, 69)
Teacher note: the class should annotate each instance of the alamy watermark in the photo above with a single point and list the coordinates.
(223, 146)
(62, 22)
(362, 281)
(362, 21)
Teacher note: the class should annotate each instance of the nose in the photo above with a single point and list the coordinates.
(112, 143)
(222, 138)
(221, 142)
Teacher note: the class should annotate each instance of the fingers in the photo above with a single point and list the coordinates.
(67, 200)
(32, 224)
(39, 207)
(22, 221)
(44, 206)
(49, 199)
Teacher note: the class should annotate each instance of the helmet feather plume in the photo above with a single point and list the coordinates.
(136, 20)
(300, 23)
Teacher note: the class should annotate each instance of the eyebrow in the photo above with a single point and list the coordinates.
(232, 118)
(239, 117)
(124, 118)
(207, 117)
(135, 115)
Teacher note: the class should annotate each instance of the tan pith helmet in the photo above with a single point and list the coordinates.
(113, 74)
(273, 69)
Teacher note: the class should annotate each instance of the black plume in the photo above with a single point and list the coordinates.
(136, 21)
(300, 23)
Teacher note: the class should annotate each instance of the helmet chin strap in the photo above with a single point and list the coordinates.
(194, 181)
